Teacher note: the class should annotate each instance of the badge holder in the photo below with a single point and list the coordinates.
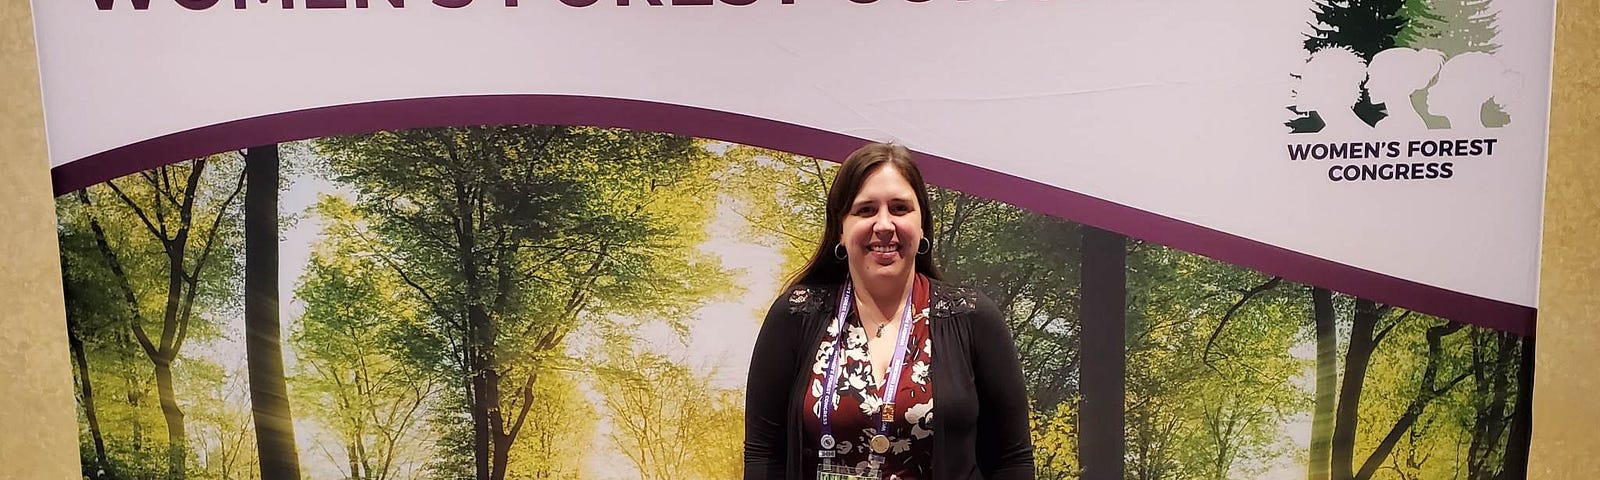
(830, 471)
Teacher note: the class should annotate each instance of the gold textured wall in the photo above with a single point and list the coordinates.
(38, 424)
(1566, 392)
(38, 428)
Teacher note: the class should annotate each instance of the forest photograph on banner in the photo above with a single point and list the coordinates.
(544, 251)
(588, 297)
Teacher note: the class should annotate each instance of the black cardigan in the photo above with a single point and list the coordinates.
(980, 421)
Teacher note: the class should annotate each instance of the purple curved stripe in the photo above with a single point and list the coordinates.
(743, 129)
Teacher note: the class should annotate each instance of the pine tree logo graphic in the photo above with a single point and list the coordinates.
(1402, 65)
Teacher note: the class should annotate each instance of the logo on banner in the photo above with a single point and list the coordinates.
(1400, 89)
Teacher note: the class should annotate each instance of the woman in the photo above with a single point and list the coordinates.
(904, 329)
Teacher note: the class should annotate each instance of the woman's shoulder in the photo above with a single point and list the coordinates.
(949, 300)
(804, 299)
(967, 308)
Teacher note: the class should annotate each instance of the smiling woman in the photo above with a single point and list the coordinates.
(826, 399)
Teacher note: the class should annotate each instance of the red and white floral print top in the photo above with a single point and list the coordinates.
(858, 400)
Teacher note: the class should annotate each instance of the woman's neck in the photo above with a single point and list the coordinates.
(882, 300)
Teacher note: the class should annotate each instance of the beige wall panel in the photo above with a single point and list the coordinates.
(38, 428)
(1566, 395)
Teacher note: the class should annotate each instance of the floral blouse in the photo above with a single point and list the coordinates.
(855, 420)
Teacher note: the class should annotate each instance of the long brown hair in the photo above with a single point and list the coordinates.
(824, 268)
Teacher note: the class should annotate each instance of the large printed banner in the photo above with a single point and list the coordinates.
(533, 238)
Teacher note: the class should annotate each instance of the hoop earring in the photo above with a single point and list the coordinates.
(839, 252)
(924, 246)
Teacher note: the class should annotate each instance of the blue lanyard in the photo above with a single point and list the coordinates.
(831, 382)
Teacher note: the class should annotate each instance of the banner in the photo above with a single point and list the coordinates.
(510, 231)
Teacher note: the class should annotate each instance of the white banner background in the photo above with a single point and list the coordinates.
(1174, 107)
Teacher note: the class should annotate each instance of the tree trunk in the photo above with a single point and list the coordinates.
(502, 452)
(488, 371)
(177, 438)
(1505, 366)
(359, 415)
(1426, 393)
(351, 457)
(1323, 318)
(502, 455)
(361, 453)
(1492, 373)
(1483, 368)
(102, 467)
(80, 360)
(1521, 430)
(1346, 418)
(480, 341)
(480, 414)
(1103, 294)
(269, 395)
(135, 395)
(134, 319)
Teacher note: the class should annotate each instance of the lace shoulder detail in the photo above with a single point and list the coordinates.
(950, 300)
(807, 299)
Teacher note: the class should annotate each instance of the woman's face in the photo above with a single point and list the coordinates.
(882, 227)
